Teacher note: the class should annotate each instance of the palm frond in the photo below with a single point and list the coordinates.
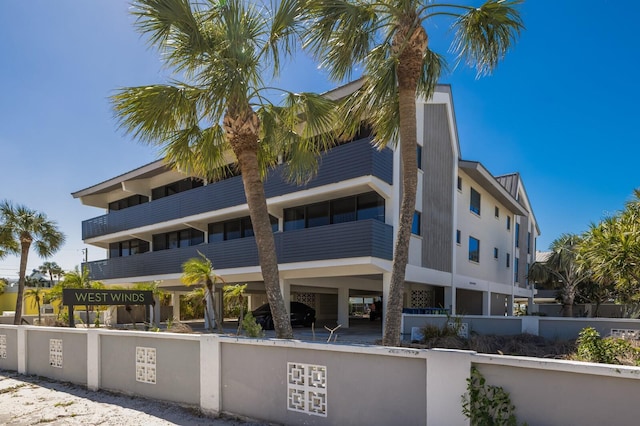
(153, 113)
(433, 65)
(485, 34)
(341, 34)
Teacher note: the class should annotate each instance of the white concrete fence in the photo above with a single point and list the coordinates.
(549, 327)
(294, 382)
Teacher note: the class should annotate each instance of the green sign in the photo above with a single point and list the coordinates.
(86, 296)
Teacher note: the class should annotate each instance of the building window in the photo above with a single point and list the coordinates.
(235, 228)
(348, 209)
(124, 203)
(515, 270)
(497, 212)
(128, 248)
(458, 236)
(474, 205)
(415, 224)
(529, 242)
(459, 183)
(177, 239)
(495, 252)
(508, 260)
(517, 235)
(508, 223)
(176, 187)
(474, 249)
(419, 156)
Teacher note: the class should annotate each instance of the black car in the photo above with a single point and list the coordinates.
(301, 314)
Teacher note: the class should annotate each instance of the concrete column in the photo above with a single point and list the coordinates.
(450, 299)
(22, 350)
(175, 302)
(343, 306)
(531, 306)
(486, 303)
(93, 359)
(531, 325)
(447, 373)
(509, 306)
(210, 378)
(156, 310)
(386, 288)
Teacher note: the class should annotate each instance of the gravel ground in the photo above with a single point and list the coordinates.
(31, 400)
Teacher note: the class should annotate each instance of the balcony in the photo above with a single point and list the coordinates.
(344, 162)
(344, 240)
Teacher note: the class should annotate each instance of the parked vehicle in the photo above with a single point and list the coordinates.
(301, 315)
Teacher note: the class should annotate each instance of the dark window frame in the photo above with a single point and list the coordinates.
(474, 252)
(475, 202)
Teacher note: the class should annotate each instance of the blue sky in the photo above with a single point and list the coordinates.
(561, 109)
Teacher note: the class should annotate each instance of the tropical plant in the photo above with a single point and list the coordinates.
(487, 405)
(251, 326)
(562, 269)
(222, 118)
(200, 271)
(610, 350)
(3, 285)
(159, 294)
(20, 229)
(388, 41)
(192, 304)
(52, 269)
(76, 279)
(37, 296)
(234, 295)
(611, 250)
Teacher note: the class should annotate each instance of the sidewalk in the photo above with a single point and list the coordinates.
(31, 400)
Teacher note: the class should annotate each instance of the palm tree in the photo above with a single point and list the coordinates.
(611, 250)
(37, 294)
(222, 116)
(20, 229)
(78, 279)
(235, 294)
(563, 269)
(200, 271)
(388, 40)
(52, 269)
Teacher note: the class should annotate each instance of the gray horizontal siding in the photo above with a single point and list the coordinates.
(341, 163)
(344, 240)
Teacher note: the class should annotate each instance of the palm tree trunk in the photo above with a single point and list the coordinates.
(409, 69)
(24, 253)
(241, 299)
(38, 306)
(246, 148)
(209, 308)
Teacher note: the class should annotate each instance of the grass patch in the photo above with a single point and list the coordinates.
(63, 404)
(12, 388)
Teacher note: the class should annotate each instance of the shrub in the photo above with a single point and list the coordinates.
(610, 350)
(487, 405)
(251, 327)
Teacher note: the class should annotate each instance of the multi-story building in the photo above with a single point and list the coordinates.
(473, 234)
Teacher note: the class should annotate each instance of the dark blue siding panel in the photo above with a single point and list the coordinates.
(354, 239)
(341, 163)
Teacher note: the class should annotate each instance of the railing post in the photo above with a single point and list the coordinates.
(447, 374)
(210, 380)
